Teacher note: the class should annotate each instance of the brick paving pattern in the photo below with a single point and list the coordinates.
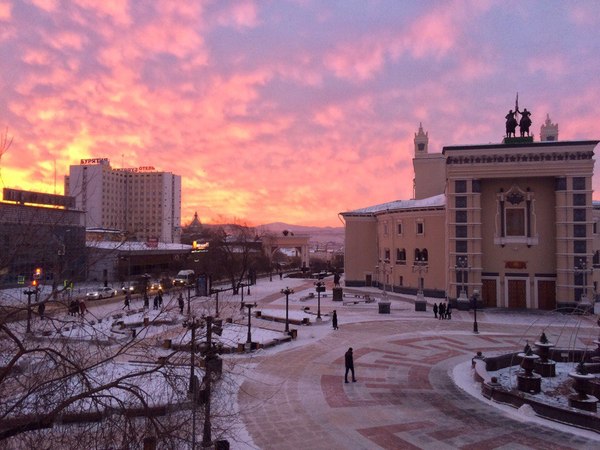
(404, 397)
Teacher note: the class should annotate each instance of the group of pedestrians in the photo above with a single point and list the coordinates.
(157, 302)
(443, 311)
(77, 308)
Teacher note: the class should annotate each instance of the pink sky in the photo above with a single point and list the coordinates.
(287, 111)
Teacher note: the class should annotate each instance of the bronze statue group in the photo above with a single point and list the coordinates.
(511, 122)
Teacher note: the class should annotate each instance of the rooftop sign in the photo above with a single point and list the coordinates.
(38, 198)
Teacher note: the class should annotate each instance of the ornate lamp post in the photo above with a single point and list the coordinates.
(462, 268)
(582, 269)
(420, 266)
(287, 291)
(319, 287)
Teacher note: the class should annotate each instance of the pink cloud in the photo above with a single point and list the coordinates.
(46, 5)
(5, 11)
(240, 14)
(116, 10)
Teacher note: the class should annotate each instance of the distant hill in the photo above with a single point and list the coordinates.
(317, 234)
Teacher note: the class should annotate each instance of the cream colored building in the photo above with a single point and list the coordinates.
(143, 203)
(514, 221)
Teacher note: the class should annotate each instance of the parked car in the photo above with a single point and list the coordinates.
(103, 292)
(155, 285)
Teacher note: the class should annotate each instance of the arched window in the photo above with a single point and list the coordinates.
(417, 254)
(424, 255)
(400, 256)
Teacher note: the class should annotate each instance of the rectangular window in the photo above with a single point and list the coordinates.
(476, 186)
(399, 228)
(387, 255)
(461, 246)
(579, 199)
(515, 222)
(461, 217)
(560, 184)
(385, 228)
(579, 215)
(460, 186)
(579, 183)
(579, 247)
(579, 230)
(461, 201)
(461, 231)
(420, 228)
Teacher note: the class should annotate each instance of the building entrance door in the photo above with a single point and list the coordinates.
(369, 280)
(517, 294)
(546, 294)
(488, 293)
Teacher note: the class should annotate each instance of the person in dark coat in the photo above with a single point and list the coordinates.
(349, 360)
(155, 304)
(41, 309)
(160, 299)
(73, 308)
(127, 301)
(82, 308)
(181, 303)
(449, 312)
(441, 311)
(435, 310)
(146, 301)
(334, 321)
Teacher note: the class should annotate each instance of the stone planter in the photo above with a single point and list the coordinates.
(580, 399)
(527, 381)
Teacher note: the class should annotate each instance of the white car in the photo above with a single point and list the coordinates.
(103, 292)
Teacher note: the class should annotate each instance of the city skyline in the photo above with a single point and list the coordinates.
(287, 111)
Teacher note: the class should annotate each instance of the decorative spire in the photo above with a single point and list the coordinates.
(549, 130)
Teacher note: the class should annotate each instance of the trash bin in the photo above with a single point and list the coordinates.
(338, 294)
(384, 307)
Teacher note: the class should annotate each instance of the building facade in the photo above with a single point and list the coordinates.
(513, 221)
(40, 231)
(142, 202)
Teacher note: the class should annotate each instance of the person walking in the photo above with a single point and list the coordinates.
(349, 360)
(127, 301)
(435, 310)
(146, 301)
(334, 320)
(449, 312)
(155, 303)
(181, 303)
(160, 299)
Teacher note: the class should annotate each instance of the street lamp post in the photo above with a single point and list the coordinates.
(249, 306)
(287, 291)
(475, 298)
(420, 266)
(320, 287)
(583, 270)
(462, 268)
(216, 292)
(241, 289)
(29, 292)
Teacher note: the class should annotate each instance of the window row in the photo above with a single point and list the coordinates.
(420, 255)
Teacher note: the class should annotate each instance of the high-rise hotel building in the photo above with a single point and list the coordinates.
(143, 203)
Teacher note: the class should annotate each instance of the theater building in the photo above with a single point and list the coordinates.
(513, 221)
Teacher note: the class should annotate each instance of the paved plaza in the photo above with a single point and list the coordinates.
(294, 396)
